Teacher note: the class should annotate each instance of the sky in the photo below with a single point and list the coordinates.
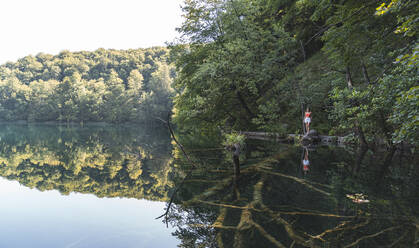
(29, 27)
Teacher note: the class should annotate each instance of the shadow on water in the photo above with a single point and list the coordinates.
(288, 196)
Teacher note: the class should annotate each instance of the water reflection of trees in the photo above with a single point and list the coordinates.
(273, 204)
(104, 160)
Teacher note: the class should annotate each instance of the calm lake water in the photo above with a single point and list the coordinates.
(103, 186)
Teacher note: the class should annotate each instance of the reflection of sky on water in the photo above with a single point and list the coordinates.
(30, 218)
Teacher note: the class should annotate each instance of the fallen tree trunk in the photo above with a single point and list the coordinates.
(291, 138)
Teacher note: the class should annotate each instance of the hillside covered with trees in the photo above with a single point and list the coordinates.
(243, 65)
(257, 65)
(105, 85)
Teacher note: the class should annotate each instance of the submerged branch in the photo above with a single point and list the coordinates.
(398, 240)
(372, 235)
(213, 226)
(304, 182)
(341, 227)
(211, 191)
(318, 214)
(267, 235)
(247, 207)
(220, 219)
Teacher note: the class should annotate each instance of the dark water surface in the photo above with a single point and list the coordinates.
(342, 198)
(103, 186)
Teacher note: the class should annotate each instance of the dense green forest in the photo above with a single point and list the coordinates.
(243, 65)
(104, 85)
(257, 64)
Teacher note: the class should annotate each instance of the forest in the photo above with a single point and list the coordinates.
(243, 65)
(237, 65)
(258, 64)
(113, 86)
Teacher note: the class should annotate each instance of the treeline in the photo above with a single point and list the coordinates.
(258, 64)
(105, 85)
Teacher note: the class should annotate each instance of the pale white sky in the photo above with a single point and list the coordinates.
(50, 26)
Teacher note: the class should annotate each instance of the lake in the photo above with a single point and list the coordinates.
(104, 186)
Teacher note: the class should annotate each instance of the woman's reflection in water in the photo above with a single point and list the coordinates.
(306, 162)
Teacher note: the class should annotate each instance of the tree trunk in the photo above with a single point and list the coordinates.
(386, 130)
(386, 164)
(365, 73)
(361, 154)
(236, 153)
(349, 77)
(361, 135)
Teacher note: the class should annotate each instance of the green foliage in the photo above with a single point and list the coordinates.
(405, 114)
(230, 139)
(104, 85)
(233, 60)
(407, 14)
(242, 65)
(256, 64)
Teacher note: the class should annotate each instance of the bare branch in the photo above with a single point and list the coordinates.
(341, 227)
(372, 235)
(183, 180)
(267, 235)
(304, 182)
(247, 207)
(398, 240)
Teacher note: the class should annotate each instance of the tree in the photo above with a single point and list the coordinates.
(103, 85)
(14, 98)
(229, 70)
(43, 105)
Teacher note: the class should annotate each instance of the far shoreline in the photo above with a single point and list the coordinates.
(80, 124)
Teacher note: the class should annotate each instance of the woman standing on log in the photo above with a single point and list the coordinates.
(307, 120)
